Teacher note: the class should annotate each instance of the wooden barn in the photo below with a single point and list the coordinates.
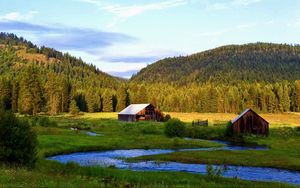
(250, 122)
(140, 112)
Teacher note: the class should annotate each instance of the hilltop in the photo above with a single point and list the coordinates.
(35, 79)
(256, 62)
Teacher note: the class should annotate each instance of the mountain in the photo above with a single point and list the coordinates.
(255, 62)
(264, 77)
(16, 53)
(35, 79)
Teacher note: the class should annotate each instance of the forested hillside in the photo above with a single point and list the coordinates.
(265, 77)
(259, 62)
(35, 79)
(262, 76)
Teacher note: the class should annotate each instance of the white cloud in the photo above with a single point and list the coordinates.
(294, 23)
(17, 16)
(229, 4)
(123, 11)
(245, 2)
(129, 11)
(246, 26)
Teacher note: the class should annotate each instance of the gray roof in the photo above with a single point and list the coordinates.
(241, 115)
(133, 109)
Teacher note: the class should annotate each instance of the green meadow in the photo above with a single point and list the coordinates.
(56, 137)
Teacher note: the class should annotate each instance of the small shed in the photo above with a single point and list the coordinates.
(250, 122)
(140, 112)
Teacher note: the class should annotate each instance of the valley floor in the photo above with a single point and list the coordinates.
(284, 144)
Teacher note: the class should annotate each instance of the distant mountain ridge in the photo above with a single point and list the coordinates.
(17, 52)
(226, 79)
(254, 62)
(40, 79)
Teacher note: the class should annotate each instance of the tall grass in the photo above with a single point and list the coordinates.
(53, 174)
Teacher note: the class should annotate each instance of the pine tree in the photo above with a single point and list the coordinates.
(122, 95)
(114, 102)
(30, 96)
(127, 99)
(15, 96)
(52, 90)
(142, 96)
(285, 98)
(106, 101)
(74, 110)
(297, 96)
(5, 94)
(93, 100)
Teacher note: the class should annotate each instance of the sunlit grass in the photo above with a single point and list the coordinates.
(275, 120)
(100, 115)
(114, 134)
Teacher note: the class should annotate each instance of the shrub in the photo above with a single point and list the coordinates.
(74, 110)
(149, 129)
(18, 141)
(174, 128)
(178, 142)
(229, 131)
(167, 117)
(213, 132)
(46, 122)
(215, 172)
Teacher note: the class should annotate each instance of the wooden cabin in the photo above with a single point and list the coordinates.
(250, 122)
(140, 112)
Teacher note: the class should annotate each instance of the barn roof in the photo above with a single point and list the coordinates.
(243, 113)
(133, 109)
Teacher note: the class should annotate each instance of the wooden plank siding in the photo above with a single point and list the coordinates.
(250, 122)
(147, 113)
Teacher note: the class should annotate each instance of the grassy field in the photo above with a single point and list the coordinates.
(52, 174)
(276, 120)
(59, 138)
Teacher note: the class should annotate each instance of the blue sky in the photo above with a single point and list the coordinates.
(121, 37)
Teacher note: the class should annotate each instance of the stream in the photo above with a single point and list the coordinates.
(116, 158)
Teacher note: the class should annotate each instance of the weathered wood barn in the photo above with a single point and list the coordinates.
(250, 122)
(140, 112)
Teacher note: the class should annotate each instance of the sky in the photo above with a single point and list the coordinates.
(120, 36)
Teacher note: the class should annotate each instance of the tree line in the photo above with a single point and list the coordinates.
(63, 83)
(232, 64)
(29, 96)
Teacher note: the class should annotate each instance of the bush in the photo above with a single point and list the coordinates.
(150, 129)
(178, 142)
(18, 141)
(174, 128)
(167, 118)
(229, 131)
(74, 109)
(215, 172)
(46, 122)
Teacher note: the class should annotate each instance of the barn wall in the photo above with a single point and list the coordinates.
(126, 117)
(149, 113)
(251, 123)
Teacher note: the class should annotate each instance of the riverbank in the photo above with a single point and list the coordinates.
(61, 139)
